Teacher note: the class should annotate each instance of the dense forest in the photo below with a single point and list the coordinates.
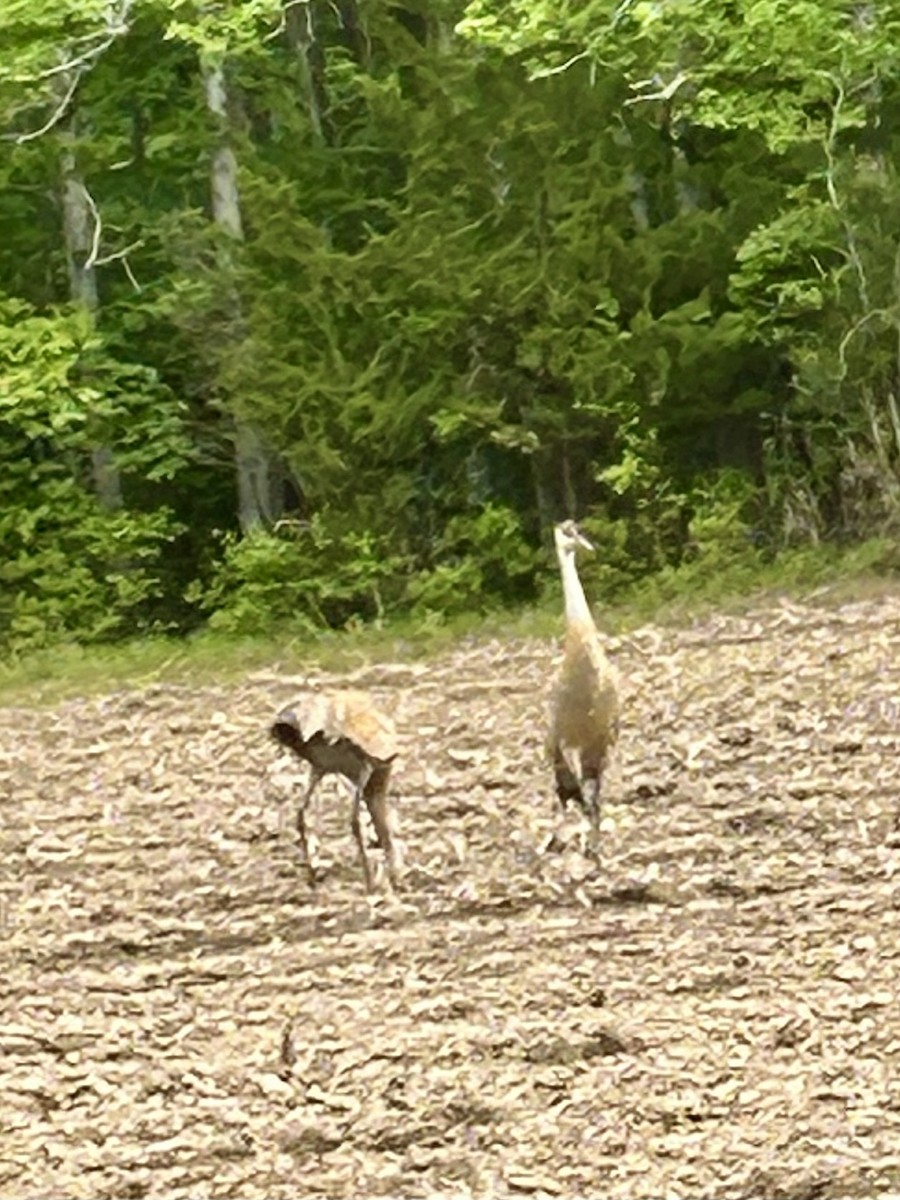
(324, 310)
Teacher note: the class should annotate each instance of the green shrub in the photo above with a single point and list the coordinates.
(483, 560)
(76, 572)
(70, 568)
(308, 574)
(303, 574)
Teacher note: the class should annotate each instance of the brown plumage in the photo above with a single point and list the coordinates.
(343, 733)
(585, 721)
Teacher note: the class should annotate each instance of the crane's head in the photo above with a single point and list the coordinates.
(285, 729)
(569, 538)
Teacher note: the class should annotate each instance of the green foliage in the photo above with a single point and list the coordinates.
(69, 567)
(482, 560)
(672, 541)
(78, 572)
(795, 97)
(725, 550)
(311, 575)
(781, 276)
(500, 263)
(721, 517)
(305, 575)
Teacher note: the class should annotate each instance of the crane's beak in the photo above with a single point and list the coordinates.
(583, 542)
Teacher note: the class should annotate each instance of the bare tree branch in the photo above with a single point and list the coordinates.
(282, 23)
(122, 256)
(831, 186)
(126, 266)
(544, 72)
(91, 260)
(851, 334)
(82, 62)
(55, 117)
(665, 93)
(117, 254)
(74, 68)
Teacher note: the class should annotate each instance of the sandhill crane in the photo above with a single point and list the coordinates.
(585, 720)
(342, 733)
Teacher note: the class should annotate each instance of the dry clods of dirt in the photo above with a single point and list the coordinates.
(707, 1008)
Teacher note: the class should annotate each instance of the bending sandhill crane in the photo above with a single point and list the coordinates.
(342, 733)
(585, 721)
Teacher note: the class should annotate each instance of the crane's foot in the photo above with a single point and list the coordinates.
(591, 847)
(570, 795)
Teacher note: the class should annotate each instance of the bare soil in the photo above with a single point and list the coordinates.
(708, 1010)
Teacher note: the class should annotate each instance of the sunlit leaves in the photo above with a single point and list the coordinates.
(68, 565)
(225, 27)
(764, 64)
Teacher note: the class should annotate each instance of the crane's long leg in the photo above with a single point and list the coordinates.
(593, 777)
(593, 764)
(314, 781)
(567, 785)
(376, 801)
(356, 824)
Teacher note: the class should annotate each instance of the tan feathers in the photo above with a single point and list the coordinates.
(587, 699)
(343, 733)
(346, 715)
(585, 720)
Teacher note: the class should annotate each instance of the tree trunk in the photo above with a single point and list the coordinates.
(80, 228)
(259, 479)
(300, 31)
(355, 34)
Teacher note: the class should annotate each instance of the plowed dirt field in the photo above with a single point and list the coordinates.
(712, 1010)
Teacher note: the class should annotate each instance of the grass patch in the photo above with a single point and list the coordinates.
(46, 676)
(714, 582)
(821, 574)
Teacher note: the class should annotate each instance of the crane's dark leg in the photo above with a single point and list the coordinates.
(567, 785)
(591, 802)
(377, 803)
(592, 764)
(314, 780)
(356, 824)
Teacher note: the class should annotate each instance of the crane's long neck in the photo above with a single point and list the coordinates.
(576, 602)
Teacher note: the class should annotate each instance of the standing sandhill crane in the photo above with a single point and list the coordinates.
(585, 720)
(342, 733)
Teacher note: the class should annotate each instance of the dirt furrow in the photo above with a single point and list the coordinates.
(708, 1009)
